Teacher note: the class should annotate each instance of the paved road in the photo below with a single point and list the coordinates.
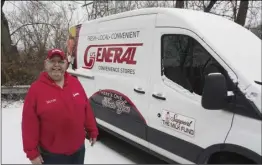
(128, 151)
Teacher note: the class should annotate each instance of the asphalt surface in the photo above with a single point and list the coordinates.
(129, 151)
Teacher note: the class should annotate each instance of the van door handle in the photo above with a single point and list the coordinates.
(139, 90)
(159, 96)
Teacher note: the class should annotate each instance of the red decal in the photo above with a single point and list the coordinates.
(113, 53)
(119, 51)
(99, 56)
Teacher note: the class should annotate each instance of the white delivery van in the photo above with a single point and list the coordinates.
(183, 85)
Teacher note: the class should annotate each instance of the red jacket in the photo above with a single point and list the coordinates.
(55, 118)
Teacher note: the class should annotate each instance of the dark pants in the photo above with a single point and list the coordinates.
(76, 158)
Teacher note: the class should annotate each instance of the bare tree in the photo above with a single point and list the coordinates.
(43, 25)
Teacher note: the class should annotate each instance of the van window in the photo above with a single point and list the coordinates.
(186, 62)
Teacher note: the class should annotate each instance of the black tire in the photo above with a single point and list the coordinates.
(229, 158)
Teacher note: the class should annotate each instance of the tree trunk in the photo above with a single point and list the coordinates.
(210, 5)
(6, 45)
(180, 4)
(242, 12)
(8, 52)
(5, 35)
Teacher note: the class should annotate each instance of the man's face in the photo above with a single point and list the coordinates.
(56, 67)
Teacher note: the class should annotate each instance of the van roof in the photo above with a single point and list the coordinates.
(183, 14)
(236, 45)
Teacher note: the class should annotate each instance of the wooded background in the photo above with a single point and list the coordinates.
(36, 26)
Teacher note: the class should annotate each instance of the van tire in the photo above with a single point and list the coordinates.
(101, 134)
(228, 158)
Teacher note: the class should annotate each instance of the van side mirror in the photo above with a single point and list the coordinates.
(215, 92)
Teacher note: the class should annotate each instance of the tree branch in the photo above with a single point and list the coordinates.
(210, 5)
(31, 24)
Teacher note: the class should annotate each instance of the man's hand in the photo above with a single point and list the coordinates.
(37, 160)
(92, 141)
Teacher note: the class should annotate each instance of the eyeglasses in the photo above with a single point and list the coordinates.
(53, 62)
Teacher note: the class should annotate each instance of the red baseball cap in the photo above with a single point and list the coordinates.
(55, 51)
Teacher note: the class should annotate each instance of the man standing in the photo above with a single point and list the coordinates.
(55, 115)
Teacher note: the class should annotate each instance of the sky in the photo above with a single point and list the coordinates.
(79, 15)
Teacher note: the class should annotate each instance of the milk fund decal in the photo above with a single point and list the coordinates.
(177, 122)
(116, 102)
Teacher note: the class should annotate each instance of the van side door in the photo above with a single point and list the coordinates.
(179, 127)
(122, 51)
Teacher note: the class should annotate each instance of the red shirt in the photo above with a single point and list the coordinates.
(55, 118)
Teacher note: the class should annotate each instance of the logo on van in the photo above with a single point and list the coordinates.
(178, 122)
(111, 53)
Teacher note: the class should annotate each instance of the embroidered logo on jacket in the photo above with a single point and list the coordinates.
(50, 101)
(75, 94)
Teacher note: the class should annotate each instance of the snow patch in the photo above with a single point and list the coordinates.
(12, 147)
(7, 104)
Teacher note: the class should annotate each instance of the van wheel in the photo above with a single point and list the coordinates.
(229, 158)
(101, 134)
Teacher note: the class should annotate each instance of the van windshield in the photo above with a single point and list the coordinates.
(237, 46)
